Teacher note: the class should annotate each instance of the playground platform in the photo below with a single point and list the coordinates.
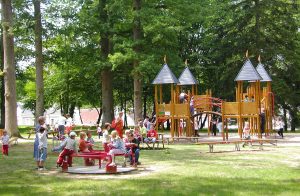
(96, 170)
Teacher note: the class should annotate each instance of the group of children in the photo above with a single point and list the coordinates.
(112, 144)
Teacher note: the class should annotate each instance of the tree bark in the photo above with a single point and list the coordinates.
(39, 106)
(106, 74)
(9, 70)
(2, 124)
(107, 96)
(285, 119)
(137, 79)
(145, 105)
(294, 118)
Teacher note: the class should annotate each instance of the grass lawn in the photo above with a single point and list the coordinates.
(178, 170)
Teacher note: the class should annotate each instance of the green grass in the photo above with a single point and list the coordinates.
(177, 170)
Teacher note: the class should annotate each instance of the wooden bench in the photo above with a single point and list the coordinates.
(237, 143)
(32, 131)
(13, 140)
(172, 139)
(160, 139)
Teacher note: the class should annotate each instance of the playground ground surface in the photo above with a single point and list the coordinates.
(180, 169)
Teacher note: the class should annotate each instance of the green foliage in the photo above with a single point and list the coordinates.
(213, 35)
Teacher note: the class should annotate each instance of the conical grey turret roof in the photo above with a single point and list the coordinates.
(263, 73)
(165, 76)
(187, 78)
(248, 73)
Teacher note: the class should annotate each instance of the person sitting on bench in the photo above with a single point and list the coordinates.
(116, 146)
(106, 137)
(151, 135)
(246, 132)
(90, 141)
(84, 148)
(69, 148)
(133, 145)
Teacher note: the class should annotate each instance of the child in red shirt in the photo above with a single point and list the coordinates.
(151, 135)
(84, 148)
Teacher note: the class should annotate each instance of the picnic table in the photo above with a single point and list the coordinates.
(238, 142)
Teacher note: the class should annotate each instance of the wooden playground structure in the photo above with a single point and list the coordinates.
(254, 102)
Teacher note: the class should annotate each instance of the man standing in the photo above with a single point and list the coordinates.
(61, 125)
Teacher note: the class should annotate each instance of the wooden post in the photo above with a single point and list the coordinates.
(240, 94)
(172, 110)
(258, 104)
(160, 94)
(156, 106)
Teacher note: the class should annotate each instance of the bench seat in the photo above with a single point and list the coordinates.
(237, 143)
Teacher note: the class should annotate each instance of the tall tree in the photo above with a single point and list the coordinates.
(9, 69)
(39, 106)
(137, 77)
(106, 73)
(2, 87)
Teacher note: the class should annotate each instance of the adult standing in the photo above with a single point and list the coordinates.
(118, 124)
(280, 127)
(61, 125)
(220, 127)
(262, 121)
(69, 124)
(36, 154)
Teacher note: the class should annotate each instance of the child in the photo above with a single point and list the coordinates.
(143, 130)
(90, 140)
(117, 146)
(99, 131)
(133, 145)
(69, 148)
(126, 138)
(36, 150)
(220, 127)
(106, 138)
(280, 128)
(5, 141)
(137, 133)
(42, 136)
(84, 147)
(246, 132)
(151, 135)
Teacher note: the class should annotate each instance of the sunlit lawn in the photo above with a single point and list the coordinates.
(178, 170)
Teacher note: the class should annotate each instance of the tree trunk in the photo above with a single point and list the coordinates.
(294, 119)
(285, 119)
(80, 115)
(106, 74)
(145, 104)
(99, 116)
(125, 115)
(39, 106)
(137, 82)
(2, 124)
(107, 96)
(257, 24)
(72, 109)
(9, 70)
